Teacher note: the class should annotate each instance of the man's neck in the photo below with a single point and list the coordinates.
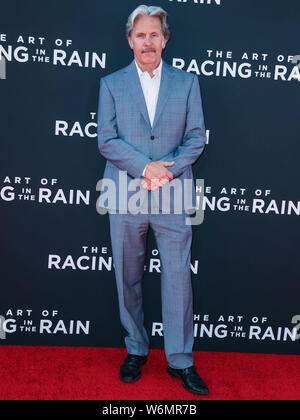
(148, 68)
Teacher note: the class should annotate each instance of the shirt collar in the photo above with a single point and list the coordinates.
(156, 72)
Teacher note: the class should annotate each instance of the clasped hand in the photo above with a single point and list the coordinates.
(156, 175)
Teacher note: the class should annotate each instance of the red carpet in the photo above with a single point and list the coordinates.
(84, 373)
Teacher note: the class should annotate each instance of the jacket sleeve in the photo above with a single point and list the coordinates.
(115, 149)
(194, 138)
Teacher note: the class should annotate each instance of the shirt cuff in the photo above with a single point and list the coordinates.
(143, 174)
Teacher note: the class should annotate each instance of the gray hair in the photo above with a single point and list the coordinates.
(149, 11)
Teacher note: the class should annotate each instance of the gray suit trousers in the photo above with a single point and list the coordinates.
(173, 238)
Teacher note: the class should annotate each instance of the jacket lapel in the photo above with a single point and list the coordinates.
(164, 90)
(136, 91)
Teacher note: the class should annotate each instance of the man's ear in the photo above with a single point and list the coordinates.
(164, 42)
(130, 42)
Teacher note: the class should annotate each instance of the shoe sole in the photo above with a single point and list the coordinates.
(177, 376)
(131, 380)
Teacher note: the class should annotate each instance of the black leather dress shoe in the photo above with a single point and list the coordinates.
(131, 369)
(190, 379)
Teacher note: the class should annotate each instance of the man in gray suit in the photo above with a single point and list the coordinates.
(151, 128)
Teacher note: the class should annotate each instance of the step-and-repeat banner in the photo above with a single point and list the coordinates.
(57, 275)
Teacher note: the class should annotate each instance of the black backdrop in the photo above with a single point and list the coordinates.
(57, 282)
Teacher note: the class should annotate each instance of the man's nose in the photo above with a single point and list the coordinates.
(148, 40)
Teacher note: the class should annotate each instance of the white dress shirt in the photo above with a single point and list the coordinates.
(150, 86)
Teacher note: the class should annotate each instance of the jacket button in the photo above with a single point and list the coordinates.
(152, 137)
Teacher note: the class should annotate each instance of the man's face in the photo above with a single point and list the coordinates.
(147, 41)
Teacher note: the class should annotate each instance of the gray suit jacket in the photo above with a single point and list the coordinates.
(127, 140)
